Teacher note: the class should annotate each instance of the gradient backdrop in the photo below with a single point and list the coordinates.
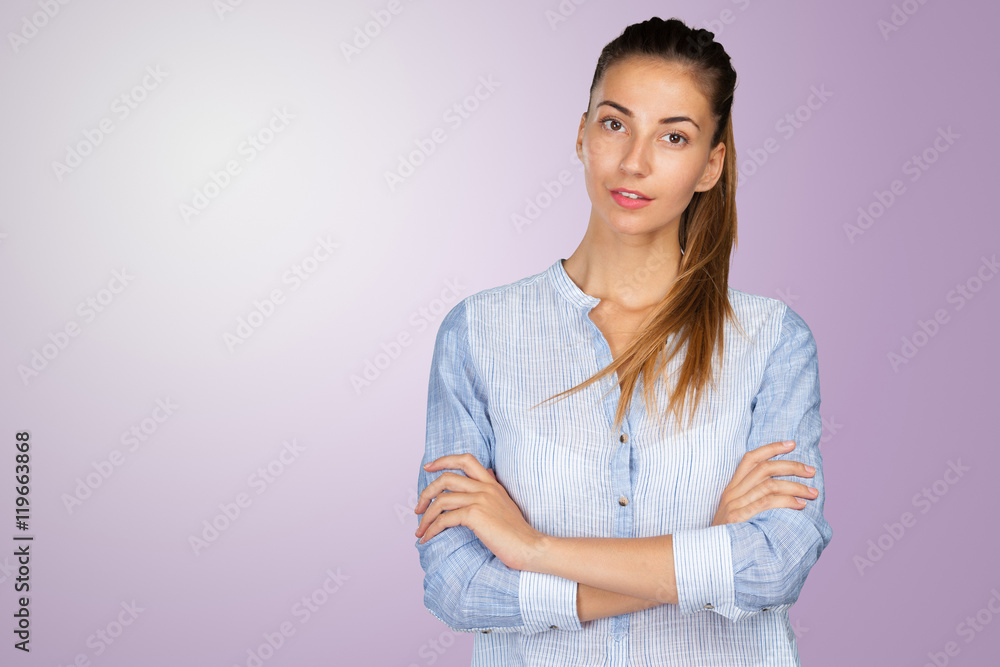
(229, 231)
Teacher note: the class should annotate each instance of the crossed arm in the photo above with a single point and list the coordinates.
(594, 603)
(622, 575)
(611, 576)
(614, 575)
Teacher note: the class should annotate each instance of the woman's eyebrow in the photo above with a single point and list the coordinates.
(663, 121)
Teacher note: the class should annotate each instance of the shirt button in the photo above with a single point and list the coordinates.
(623, 437)
(552, 627)
(623, 501)
(709, 606)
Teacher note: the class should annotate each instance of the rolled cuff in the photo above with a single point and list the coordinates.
(547, 602)
(703, 566)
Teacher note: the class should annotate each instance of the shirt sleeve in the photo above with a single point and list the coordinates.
(465, 585)
(740, 569)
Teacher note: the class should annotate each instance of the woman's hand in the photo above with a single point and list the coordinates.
(752, 490)
(480, 503)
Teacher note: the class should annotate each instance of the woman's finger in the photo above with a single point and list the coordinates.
(466, 462)
(775, 487)
(747, 507)
(448, 520)
(447, 502)
(763, 503)
(744, 503)
(768, 469)
(446, 481)
(758, 455)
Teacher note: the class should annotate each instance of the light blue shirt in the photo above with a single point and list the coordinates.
(502, 350)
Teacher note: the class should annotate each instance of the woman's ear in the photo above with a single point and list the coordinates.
(713, 170)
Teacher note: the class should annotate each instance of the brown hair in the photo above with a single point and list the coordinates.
(697, 303)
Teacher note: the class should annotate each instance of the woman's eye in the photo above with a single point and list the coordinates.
(614, 122)
(676, 134)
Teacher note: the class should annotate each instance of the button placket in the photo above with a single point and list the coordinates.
(623, 438)
(624, 521)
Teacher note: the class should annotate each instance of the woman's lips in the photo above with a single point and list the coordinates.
(629, 202)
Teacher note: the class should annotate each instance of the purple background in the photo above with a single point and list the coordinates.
(342, 503)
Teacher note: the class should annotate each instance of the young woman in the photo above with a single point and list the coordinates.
(567, 526)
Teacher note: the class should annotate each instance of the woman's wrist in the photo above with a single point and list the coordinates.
(593, 603)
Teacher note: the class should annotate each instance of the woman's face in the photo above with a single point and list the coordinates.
(648, 130)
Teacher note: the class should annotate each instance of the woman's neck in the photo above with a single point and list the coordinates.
(635, 277)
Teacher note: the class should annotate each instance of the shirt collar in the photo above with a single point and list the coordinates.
(569, 289)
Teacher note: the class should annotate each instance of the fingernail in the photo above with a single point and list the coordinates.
(789, 443)
(427, 465)
(810, 469)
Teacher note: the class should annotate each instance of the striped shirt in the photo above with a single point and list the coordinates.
(502, 350)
